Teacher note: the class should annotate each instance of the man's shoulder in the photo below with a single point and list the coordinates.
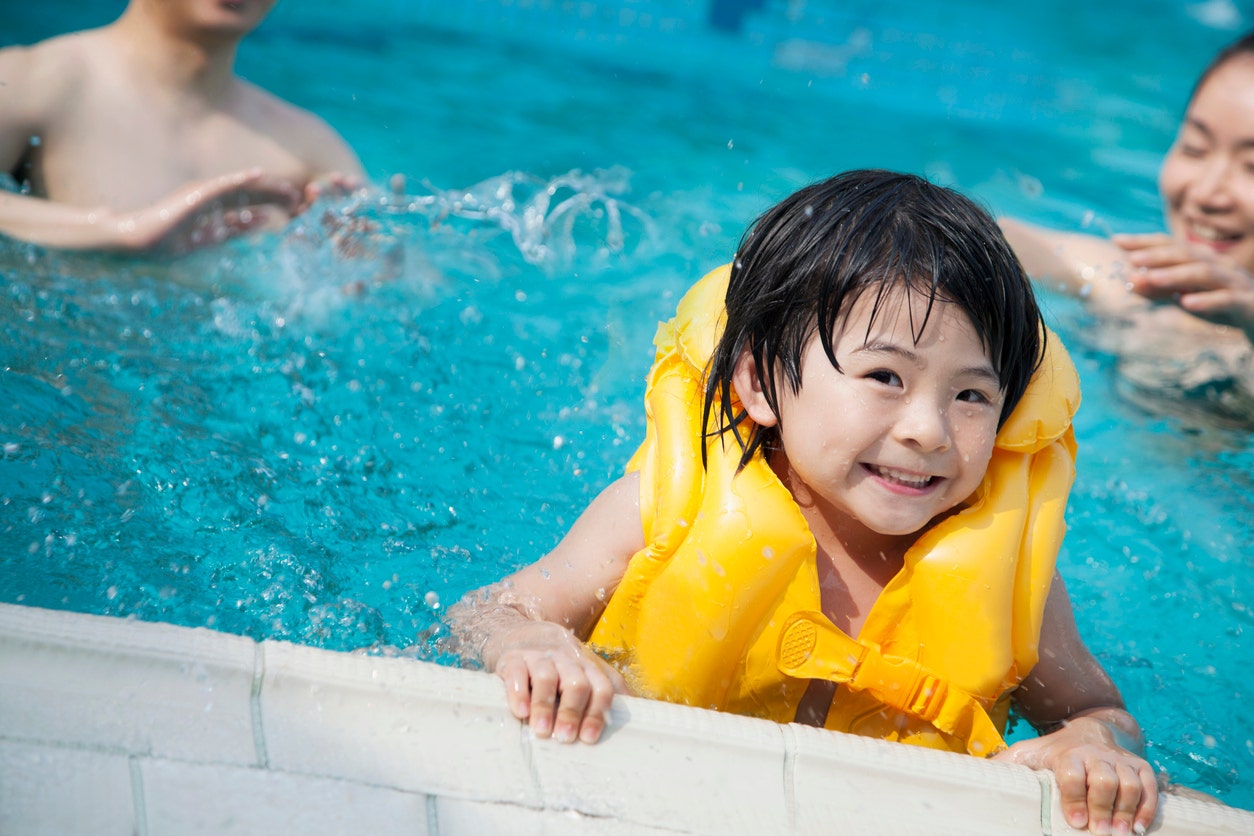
(275, 112)
(46, 69)
(302, 131)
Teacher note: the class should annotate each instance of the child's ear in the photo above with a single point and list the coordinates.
(748, 385)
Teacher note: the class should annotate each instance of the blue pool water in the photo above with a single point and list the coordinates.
(232, 441)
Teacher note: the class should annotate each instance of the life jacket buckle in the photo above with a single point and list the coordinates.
(928, 697)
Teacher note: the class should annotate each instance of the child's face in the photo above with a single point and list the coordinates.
(904, 433)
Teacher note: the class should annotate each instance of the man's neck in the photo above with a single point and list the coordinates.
(181, 61)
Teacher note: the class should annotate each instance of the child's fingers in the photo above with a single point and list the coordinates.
(544, 685)
(1104, 785)
(575, 690)
(1148, 804)
(1073, 792)
(1129, 800)
(517, 680)
(604, 685)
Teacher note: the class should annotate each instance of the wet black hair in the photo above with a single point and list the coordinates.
(803, 264)
(1243, 45)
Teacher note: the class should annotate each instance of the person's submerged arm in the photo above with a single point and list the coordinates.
(1091, 743)
(529, 629)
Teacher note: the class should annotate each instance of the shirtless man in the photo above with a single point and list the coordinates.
(139, 136)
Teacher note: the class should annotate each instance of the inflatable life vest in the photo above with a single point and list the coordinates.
(721, 609)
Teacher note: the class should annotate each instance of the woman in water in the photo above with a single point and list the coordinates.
(1178, 306)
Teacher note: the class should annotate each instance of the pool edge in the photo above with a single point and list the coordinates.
(115, 725)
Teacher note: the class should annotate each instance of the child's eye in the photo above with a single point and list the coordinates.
(973, 396)
(885, 376)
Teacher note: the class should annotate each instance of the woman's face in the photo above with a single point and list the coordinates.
(1207, 178)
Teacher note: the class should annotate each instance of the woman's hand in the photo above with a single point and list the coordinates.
(1201, 281)
(554, 682)
(1103, 786)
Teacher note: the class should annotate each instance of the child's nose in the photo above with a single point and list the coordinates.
(924, 424)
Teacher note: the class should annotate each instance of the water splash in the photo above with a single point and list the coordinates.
(548, 220)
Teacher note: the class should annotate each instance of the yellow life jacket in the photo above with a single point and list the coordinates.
(721, 609)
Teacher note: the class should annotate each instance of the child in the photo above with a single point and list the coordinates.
(846, 510)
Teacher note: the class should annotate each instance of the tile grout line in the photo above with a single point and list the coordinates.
(433, 815)
(526, 741)
(137, 797)
(1047, 799)
(789, 736)
(259, 733)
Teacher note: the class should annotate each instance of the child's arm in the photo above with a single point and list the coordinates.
(1092, 745)
(530, 628)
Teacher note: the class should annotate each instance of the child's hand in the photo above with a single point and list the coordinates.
(1104, 787)
(556, 683)
(1199, 280)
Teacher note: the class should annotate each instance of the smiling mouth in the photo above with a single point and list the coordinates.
(1211, 235)
(902, 477)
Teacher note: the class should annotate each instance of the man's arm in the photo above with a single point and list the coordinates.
(198, 214)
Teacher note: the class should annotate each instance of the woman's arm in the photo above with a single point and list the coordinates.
(529, 629)
(1084, 266)
(1090, 742)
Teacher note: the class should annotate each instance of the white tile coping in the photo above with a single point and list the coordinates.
(118, 726)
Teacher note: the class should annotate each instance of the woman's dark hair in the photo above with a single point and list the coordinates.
(1241, 46)
(803, 264)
